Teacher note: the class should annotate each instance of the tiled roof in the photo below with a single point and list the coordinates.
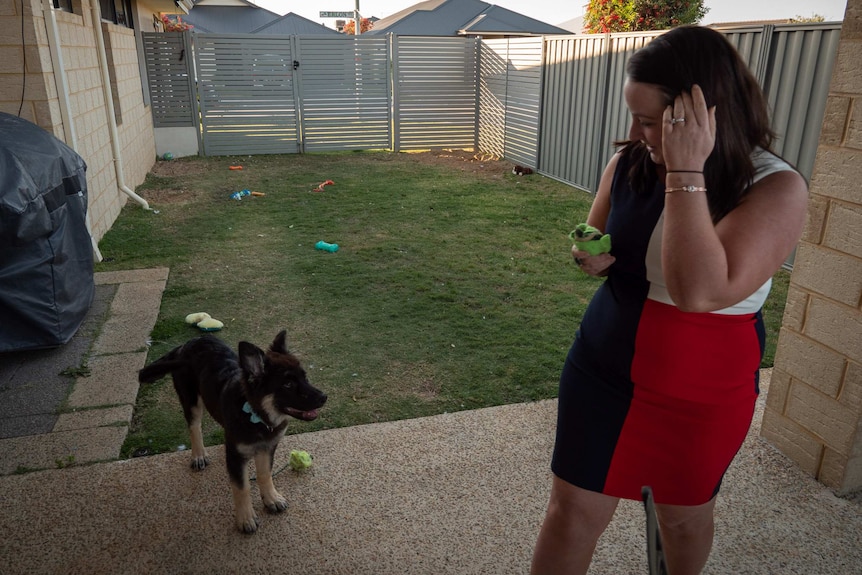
(291, 24)
(228, 19)
(461, 17)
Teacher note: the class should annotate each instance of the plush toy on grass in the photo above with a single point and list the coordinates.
(300, 460)
(591, 240)
(204, 321)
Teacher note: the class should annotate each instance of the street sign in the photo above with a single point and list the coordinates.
(337, 14)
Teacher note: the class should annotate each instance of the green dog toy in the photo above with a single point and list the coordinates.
(591, 240)
(300, 460)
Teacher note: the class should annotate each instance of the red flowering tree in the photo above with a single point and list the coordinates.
(364, 26)
(609, 16)
(174, 23)
(637, 15)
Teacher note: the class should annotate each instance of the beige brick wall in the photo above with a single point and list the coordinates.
(814, 408)
(31, 59)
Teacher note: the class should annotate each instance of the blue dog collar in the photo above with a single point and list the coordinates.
(255, 418)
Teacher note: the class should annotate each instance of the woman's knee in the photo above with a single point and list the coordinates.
(686, 520)
(586, 512)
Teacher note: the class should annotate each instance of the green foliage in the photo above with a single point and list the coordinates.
(63, 463)
(804, 19)
(82, 370)
(604, 16)
(664, 14)
(773, 314)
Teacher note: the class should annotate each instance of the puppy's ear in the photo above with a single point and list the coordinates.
(279, 344)
(251, 359)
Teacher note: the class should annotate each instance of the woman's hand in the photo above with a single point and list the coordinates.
(688, 132)
(593, 265)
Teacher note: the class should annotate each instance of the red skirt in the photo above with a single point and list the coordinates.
(676, 423)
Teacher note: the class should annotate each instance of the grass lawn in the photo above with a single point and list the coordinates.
(453, 287)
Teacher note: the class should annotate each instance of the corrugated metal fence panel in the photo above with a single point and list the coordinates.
(797, 85)
(246, 88)
(617, 121)
(523, 100)
(168, 60)
(752, 43)
(435, 92)
(584, 111)
(584, 108)
(345, 87)
(575, 71)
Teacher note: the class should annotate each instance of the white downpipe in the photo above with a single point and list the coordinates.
(59, 74)
(63, 96)
(109, 106)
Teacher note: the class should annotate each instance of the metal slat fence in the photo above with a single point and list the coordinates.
(170, 79)
(345, 87)
(435, 97)
(552, 103)
(246, 94)
(510, 98)
(493, 68)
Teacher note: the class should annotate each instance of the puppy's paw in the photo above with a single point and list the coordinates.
(276, 503)
(247, 524)
(247, 520)
(200, 463)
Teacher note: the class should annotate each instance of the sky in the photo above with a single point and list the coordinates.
(560, 11)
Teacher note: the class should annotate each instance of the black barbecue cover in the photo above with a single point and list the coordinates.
(46, 254)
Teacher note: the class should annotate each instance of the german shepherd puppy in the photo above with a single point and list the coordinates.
(251, 396)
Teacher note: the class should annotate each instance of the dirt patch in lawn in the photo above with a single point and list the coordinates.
(479, 163)
(185, 167)
(174, 171)
(167, 196)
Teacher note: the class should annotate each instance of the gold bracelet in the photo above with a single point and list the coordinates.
(685, 189)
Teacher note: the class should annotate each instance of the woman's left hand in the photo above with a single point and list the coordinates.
(688, 132)
(596, 265)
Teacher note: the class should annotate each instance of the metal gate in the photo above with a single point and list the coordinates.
(247, 95)
(346, 92)
(170, 79)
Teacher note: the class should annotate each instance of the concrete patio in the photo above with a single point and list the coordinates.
(455, 493)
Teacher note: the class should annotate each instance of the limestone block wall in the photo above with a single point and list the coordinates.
(22, 59)
(814, 407)
(27, 62)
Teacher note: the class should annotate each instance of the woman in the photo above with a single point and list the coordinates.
(660, 384)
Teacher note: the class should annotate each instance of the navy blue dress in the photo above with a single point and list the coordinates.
(651, 395)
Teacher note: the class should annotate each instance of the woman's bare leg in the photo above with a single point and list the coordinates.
(575, 520)
(687, 533)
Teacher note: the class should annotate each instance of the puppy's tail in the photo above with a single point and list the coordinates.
(161, 367)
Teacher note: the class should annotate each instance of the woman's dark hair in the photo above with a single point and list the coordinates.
(689, 55)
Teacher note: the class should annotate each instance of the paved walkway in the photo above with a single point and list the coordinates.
(47, 419)
(460, 493)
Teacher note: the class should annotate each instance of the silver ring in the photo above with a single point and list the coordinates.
(676, 121)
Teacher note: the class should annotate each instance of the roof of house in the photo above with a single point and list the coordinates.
(750, 23)
(228, 19)
(575, 25)
(294, 24)
(460, 18)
